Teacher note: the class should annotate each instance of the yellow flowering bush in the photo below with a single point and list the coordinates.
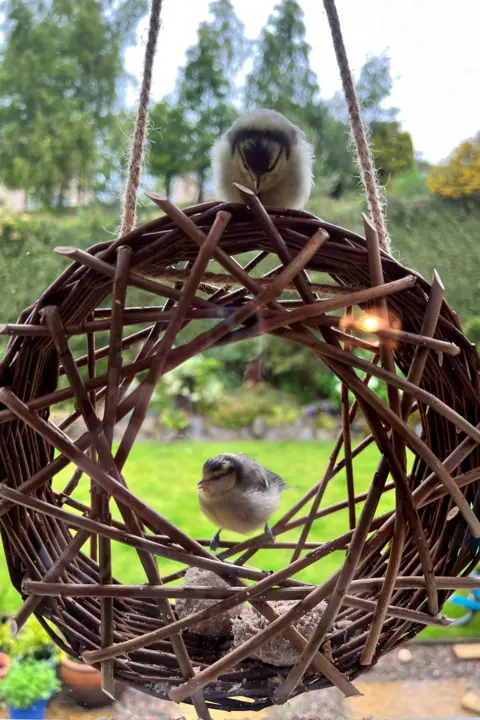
(460, 176)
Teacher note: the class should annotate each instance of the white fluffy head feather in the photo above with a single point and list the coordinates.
(268, 154)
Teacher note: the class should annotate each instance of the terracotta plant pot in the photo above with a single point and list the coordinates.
(85, 684)
(5, 663)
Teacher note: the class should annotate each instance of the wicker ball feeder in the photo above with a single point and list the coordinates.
(226, 632)
(399, 567)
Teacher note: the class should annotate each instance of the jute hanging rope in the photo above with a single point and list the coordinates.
(364, 155)
(243, 630)
(140, 131)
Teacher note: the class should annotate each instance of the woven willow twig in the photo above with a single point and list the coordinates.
(400, 566)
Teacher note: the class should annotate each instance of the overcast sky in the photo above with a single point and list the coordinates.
(433, 45)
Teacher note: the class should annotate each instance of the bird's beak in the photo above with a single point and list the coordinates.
(258, 182)
(204, 481)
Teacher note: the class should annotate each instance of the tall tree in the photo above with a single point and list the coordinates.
(282, 79)
(338, 158)
(61, 66)
(169, 143)
(374, 87)
(113, 145)
(392, 148)
(206, 87)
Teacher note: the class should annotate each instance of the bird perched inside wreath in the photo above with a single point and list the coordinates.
(268, 154)
(239, 494)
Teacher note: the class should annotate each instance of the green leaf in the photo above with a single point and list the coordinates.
(27, 682)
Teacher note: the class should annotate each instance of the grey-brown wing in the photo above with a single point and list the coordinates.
(274, 479)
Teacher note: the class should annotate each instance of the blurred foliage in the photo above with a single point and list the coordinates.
(169, 145)
(31, 643)
(207, 98)
(392, 149)
(206, 85)
(411, 184)
(194, 385)
(63, 125)
(296, 370)
(61, 76)
(429, 233)
(459, 178)
(421, 229)
(290, 368)
(374, 87)
(281, 76)
(28, 261)
(240, 408)
(326, 422)
(28, 682)
(472, 330)
(199, 379)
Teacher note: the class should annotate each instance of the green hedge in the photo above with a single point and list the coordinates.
(427, 233)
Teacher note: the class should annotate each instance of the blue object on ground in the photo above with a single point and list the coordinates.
(468, 602)
(34, 712)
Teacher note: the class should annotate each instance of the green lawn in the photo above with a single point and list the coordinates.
(165, 476)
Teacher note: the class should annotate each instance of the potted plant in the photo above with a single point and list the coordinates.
(34, 643)
(27, 687)
(84, 684)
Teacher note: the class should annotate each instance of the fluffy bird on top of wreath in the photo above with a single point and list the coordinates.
(268, 154)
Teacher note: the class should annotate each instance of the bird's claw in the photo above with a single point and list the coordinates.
(269, 534)
(215, 541)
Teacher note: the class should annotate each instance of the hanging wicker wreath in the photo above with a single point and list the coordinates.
(239, 637)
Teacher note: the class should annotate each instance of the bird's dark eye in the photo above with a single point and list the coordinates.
(218, 466)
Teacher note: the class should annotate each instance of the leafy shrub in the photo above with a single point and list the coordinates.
(198, 381)
(460, 176)
(31, 643)
(27, 682)
(392, 148)
(427, 232)
(431, 233)
(325, 422)
(375, 385)
(472, 329)
(174, 419)
(409, 185)
(6, 639)
(27, 243)
(241, 407)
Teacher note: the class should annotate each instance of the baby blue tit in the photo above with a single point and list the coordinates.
(239, 494)
(269, 155)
